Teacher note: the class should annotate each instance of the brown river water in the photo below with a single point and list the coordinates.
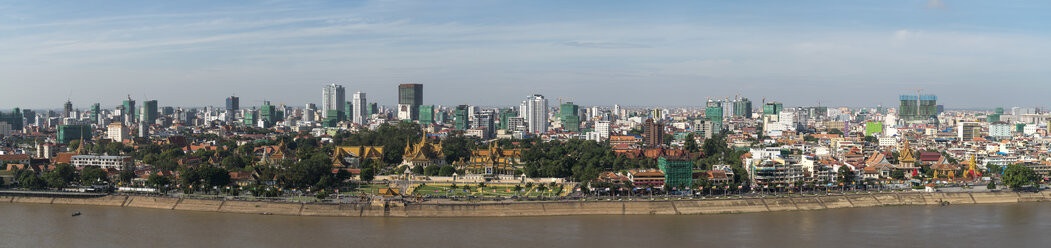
(982, 225)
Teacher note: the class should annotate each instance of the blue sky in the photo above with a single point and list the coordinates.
(839, 53)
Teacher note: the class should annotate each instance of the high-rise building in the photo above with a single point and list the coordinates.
(308, 112)
(360, 111)
(918, 107)
(149, 112)
(460, 119)
(373, 108)
(129, 111)
(268, 115)
(14, 119)
(967, 131)
(568, 116)
(117, 132)
(485, 119)
(535, 113)
(772, 108)
(67, 133)
(743, 108)
(506, 114)
(233, 103)
(67, 109)
(602, 128)
(410, 97)
(95, 109)
(426, 114)
(678, 172)
(333, 97)
(714, 114)
(652, 133)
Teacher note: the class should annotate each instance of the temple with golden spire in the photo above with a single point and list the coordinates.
(492, 161)
(423, 153)
(906, 159)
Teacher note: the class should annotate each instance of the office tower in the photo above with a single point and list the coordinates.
(426, 114)
(602, 128)
(308, 112)
(714, 114)
(129, 111)
(743, 108)
(95, 109)
(268, 115)
(14, 119)
(967, 131)
(568, 116)
(485, 120)
(360, 111)
(116, 132)
(918, 107)
(149, 112)
(333, 102)
(144, 130)
(67, 133)
(233, 103)
(535, 113)
(374, 108)
(460, 119)
(67, 109)
(505, 115)
(410, 97)
(653, 132)
(772, 108)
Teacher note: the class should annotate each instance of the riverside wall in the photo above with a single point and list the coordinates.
(560, 208)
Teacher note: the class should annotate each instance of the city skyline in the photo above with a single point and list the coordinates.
(676, 54)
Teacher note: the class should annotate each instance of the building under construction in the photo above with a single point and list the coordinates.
(918, 107)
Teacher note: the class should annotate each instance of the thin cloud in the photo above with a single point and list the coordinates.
(596, 44)
(935, 4)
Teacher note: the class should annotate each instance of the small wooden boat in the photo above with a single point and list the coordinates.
(77, 213)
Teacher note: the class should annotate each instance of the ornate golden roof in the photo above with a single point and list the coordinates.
(906, 156)
(423, 151)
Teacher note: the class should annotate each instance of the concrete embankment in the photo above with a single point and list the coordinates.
(665, 207)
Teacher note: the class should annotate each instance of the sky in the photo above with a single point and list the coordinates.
(972, 54)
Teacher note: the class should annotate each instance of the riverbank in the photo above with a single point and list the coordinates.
(554, 208)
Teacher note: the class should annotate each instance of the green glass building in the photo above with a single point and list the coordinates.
(772, 108)
(149, 111)
(67, 133)
(426, 114)
(569, 118)
(872, 127)
(95, 109)
(678, 172)
(460, 121)
(505, 116)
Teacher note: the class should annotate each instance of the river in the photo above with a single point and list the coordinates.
(982, 225)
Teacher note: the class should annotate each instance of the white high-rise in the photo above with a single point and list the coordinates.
(333, 97)
(360, 111)
(534, 111)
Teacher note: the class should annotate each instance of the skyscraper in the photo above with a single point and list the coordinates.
(653, 132)
(568, 116)
(360, 111)
(149, 112)
(918, 107)
(535, 113)
(743, 108)
(129, 111)
(268, 115)
(67, 109)
(410, 97)
(427, 114)
(460, 121)
(233, 103)
(333, 97)
(95, 109)
(308, 112)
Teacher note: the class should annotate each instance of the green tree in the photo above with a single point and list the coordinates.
(898, 174)
(845, 175)
(809, 138)
(690, 144)
(835, 131)
(993, 169)
(92, 175)
(61, 176)
(157, 181)
(991, 185)
(431, 170)
(1017, 176)
(446, 171)
(126, 175)
(367, 175)
(232, 163)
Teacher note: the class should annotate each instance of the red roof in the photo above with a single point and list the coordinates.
(14, 157)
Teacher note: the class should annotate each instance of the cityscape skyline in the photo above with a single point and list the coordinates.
(674, 54)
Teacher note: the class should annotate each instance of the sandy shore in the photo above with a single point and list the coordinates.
(666, 207)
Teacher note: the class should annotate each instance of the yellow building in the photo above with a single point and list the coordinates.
(493, 161)
(423, 153)
(351, 156)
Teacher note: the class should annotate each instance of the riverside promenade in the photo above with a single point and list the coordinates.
(545, 208)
